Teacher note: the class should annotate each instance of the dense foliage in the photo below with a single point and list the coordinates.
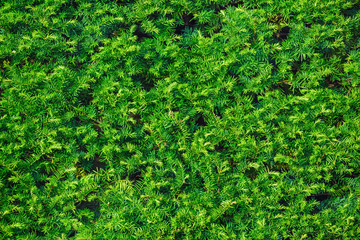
(180, 119)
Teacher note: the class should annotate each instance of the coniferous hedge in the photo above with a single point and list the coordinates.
(180, 119)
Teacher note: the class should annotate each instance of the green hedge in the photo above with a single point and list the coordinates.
(180, 119)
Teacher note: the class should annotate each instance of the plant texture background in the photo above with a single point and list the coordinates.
(180, 119)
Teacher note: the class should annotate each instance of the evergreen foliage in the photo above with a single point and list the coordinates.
(180, 119)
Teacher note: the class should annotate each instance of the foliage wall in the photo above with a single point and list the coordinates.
(180, 119)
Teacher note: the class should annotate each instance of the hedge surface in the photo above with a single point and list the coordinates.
(180, 119)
